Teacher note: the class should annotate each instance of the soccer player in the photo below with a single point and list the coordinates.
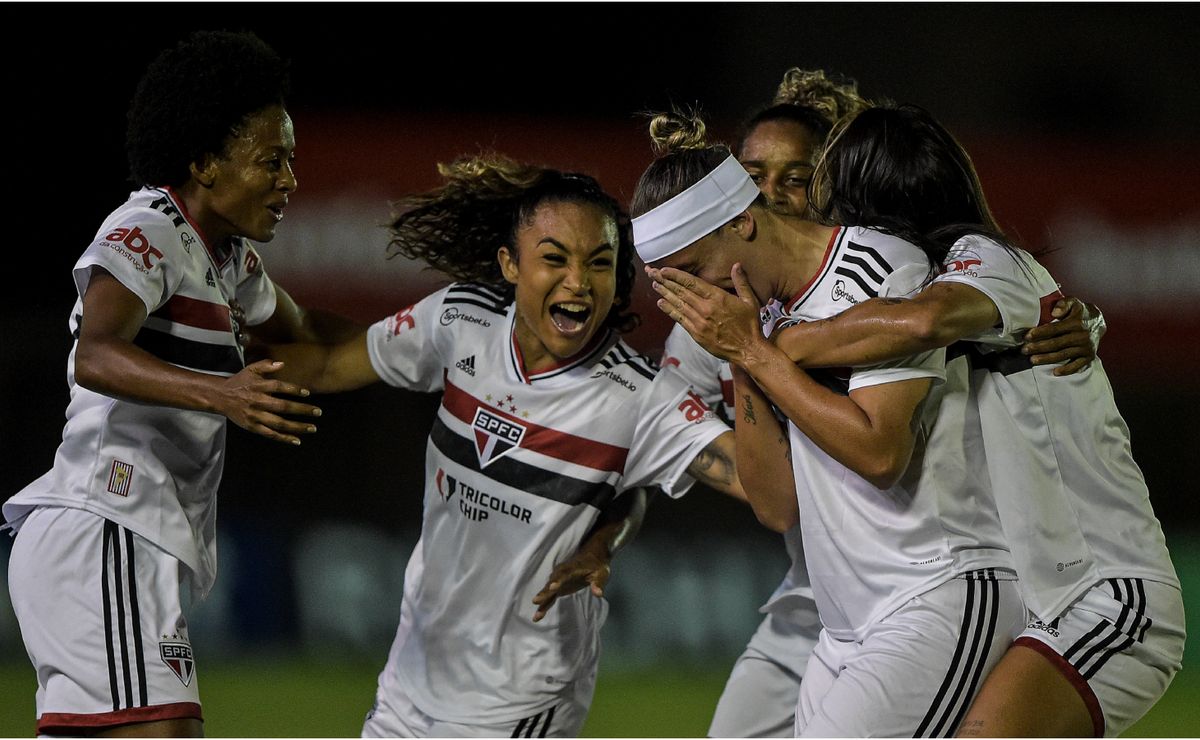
(1106, 635)
(1106, 632)
(778, 150)
(546, 417)
(902, 544)
(126, 517)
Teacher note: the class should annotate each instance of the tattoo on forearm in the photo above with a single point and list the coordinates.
(748, 410)
(713, 466)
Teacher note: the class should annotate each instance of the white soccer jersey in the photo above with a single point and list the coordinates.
(153, 469)
(1074, 503)
(710, 377)
(516, 468)
(869, 550)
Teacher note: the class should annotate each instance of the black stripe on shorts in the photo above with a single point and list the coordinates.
(978, 629)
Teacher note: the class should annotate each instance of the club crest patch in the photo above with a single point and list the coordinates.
(178, 657)
(495, 435)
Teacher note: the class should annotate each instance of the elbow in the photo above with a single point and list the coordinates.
(885, 471)
(928, 331)
(88, 373)
(777, 521)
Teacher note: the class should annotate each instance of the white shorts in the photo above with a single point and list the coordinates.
(100, 616)
(761, 694)
(394, 715)
(1119, 644)
(919, 668)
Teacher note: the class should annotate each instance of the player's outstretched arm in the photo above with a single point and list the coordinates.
(327, 368)
(107, 362)
(591, 565)
(884, 329)
(292, 322)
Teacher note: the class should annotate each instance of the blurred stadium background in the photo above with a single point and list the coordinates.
(1082, 119)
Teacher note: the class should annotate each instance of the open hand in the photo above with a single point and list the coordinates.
(250, 400)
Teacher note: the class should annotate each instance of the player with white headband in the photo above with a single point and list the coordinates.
(904, 550)
(547, 418)
(778, 148)
(1106, 631)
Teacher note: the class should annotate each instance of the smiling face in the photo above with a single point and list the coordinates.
(244, 191)
(778, 156)
(564, 268)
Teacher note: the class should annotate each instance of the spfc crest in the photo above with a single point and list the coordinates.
(495, 435)
(178, 657)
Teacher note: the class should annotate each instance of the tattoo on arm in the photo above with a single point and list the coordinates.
(713, 466)
(748, 410)
(787, 447)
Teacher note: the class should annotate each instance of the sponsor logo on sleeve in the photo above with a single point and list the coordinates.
(120, 475)
(966, 264)
(135, 246)
(694, 408)
(187, 240)
(402, 320)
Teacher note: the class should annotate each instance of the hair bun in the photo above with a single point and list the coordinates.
(834, 98)
(677, 131)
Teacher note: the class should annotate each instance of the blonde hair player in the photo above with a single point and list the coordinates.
(903, 551)
(778, 148)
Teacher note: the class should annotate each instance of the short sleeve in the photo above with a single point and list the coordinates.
(674, 426)
(141, 251)
(931, 364)
(255, 291)
(694, 364)
(1011, 279)
(407, 349)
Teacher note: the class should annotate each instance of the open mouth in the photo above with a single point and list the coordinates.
(570, 318)
(276, 212)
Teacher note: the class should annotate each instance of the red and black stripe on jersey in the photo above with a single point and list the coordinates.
(551, 484)
(193, 355)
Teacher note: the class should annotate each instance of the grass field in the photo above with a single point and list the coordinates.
(300, 699)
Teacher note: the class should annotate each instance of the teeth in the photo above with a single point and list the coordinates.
(577, 307)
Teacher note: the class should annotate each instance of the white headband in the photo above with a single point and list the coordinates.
(696, 212)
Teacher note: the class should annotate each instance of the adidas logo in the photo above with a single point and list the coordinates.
(467, 365)
(208, 278)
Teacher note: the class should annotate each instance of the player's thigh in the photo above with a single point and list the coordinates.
(916, 671)
(763, 688)
(100, 615)
(1095, 670)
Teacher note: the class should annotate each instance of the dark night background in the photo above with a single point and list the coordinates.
(1073, 111)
